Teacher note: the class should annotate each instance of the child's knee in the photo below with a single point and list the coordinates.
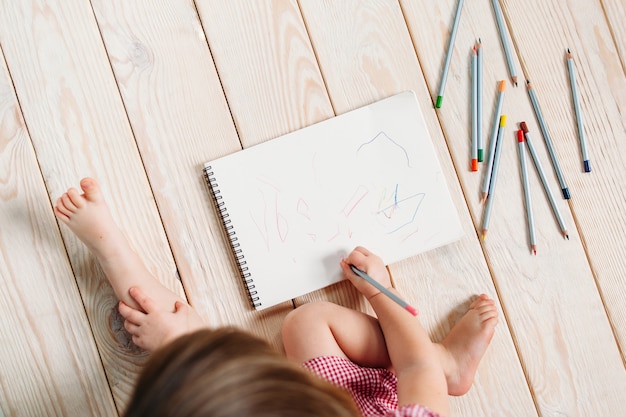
(306, 314)
(304, 318)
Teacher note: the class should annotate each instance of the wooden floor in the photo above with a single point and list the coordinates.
(139, 94)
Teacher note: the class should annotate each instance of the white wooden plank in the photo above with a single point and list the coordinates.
(552, 301)
(266, 65)
(79, 128)
(49, 364)
(365, 54)
(615, 12)
(180, 118)
(597, 197)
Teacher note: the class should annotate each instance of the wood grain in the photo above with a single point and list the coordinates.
(267, 66)
(140, 94)
(597, 200)
(178, 126)
(615, 13)
(79, 127)
(49, 363)
(539, 293)
(366, 56)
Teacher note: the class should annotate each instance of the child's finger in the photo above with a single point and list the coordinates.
(347, 272)
(130, 314)
(131, 328)
(146, 303)
(363, 251)
(358, 259)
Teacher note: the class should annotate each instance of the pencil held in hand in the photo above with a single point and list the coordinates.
(385, 291)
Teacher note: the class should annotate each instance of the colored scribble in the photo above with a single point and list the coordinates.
(358, 196)
(384, 140)
(403, 212)
(317, 209)
(303, 209)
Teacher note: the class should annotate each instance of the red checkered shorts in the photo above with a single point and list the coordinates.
(374, 390)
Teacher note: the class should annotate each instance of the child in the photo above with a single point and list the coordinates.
(388, 364)
(393, 353)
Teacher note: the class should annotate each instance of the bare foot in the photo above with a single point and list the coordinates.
(88, 216)
(463, 348)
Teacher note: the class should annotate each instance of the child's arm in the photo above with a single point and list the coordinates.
(421, 379)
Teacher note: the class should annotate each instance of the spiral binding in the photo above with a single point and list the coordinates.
(222, 210)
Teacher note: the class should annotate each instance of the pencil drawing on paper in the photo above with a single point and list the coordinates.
(312, 207)
(402, 212)
(387, 145)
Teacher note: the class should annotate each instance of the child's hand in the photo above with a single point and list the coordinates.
(156, 327)
(369, 263)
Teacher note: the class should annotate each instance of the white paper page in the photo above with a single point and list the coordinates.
(301, 202)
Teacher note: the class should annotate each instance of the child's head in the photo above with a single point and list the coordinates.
(227, 373)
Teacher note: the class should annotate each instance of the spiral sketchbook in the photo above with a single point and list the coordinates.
(294, 206)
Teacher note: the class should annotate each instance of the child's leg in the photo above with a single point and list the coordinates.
(326, 329)
(88, 216)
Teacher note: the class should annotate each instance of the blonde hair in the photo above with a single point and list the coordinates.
(228, 373)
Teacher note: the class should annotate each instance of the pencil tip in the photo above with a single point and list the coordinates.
(568, 51)
(524, 127)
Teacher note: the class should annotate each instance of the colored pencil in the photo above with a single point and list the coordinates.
(579, 116)
(548, 140)
(474, 106)
(493, 140)
(494, 176)
(385, 291)
(446, 66)
(527, 200)
(479, 99)
(544, 180)
(505, 42)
